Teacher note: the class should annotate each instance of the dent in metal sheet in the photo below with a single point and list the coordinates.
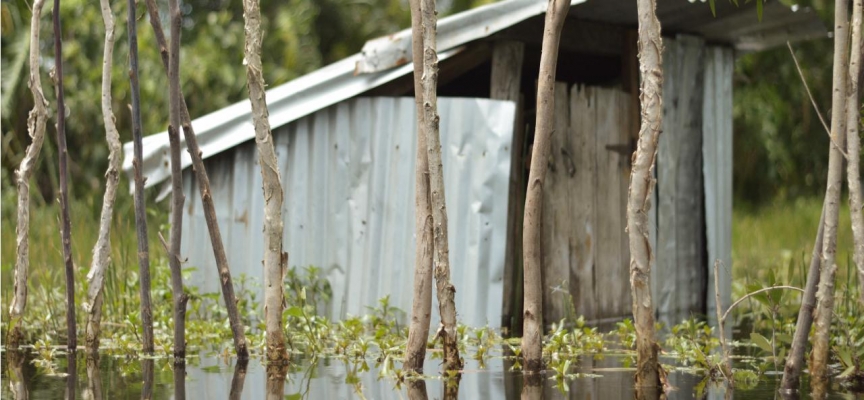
(349, 210)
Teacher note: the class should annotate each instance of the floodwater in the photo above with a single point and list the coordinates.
(216, 377)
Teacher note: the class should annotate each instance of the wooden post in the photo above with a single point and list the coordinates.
(507, 59)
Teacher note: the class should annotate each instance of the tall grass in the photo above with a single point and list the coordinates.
(46, 276)
(776, 241)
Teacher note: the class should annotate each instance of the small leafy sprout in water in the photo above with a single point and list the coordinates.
(626, 333)
(561, 369)
(45, 356)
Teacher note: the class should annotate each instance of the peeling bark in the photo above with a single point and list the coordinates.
(853, 103)
(102, 248)
(421, 307)
(274, 259)
(63, 154)
(639, 196)
(532, 331)
(240, 344)
(36, 129)
(825, 293)
(441, 255)
(140, 208)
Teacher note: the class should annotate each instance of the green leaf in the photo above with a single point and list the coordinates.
(783, 337)
(713, 8)
(848, 372)
(295, 312)
(845, 357)
(762, 342)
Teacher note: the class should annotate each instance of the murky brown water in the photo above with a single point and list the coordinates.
(212, 377)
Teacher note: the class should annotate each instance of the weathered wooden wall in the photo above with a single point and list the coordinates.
(586, 253)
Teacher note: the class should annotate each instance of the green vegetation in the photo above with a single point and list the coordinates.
(771, 247)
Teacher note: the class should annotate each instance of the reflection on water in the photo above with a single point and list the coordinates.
(147, 371)
(276, 375)
(14, 374)
(94, 378)
(71, 377)
(238, 380)
(179, 374)
(208, 377)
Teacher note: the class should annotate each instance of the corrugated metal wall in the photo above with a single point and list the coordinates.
(717, 170)
(348, 173)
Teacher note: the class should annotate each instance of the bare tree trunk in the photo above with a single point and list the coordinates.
(63, 153)
(240, 345)
(825, 293)
(853, 102)
(274, 259)
(102, 248)
(417, 389)
(641, 185)
(140, 212)
(276, 382)
(421, 307)
(177, 197)
(532, 336)
(441, 255)
(726, 367)
(795, 359)
(36, 129)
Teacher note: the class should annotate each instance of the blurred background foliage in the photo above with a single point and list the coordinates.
(780, 147)
(300, 36)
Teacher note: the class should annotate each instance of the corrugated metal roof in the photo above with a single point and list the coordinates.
(348, 171)
(733, 25)
(385, 59)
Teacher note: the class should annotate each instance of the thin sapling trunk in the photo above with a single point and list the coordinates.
(441, 254)
(421, 307)
(274, 259)
(224, 271)
(102, 248)
(177, 197)
(140, 213)
(36, 129)
(63, 153)
(825, 293)
(532, 336)
(795, 359)
(853, 103)
(639, 196)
